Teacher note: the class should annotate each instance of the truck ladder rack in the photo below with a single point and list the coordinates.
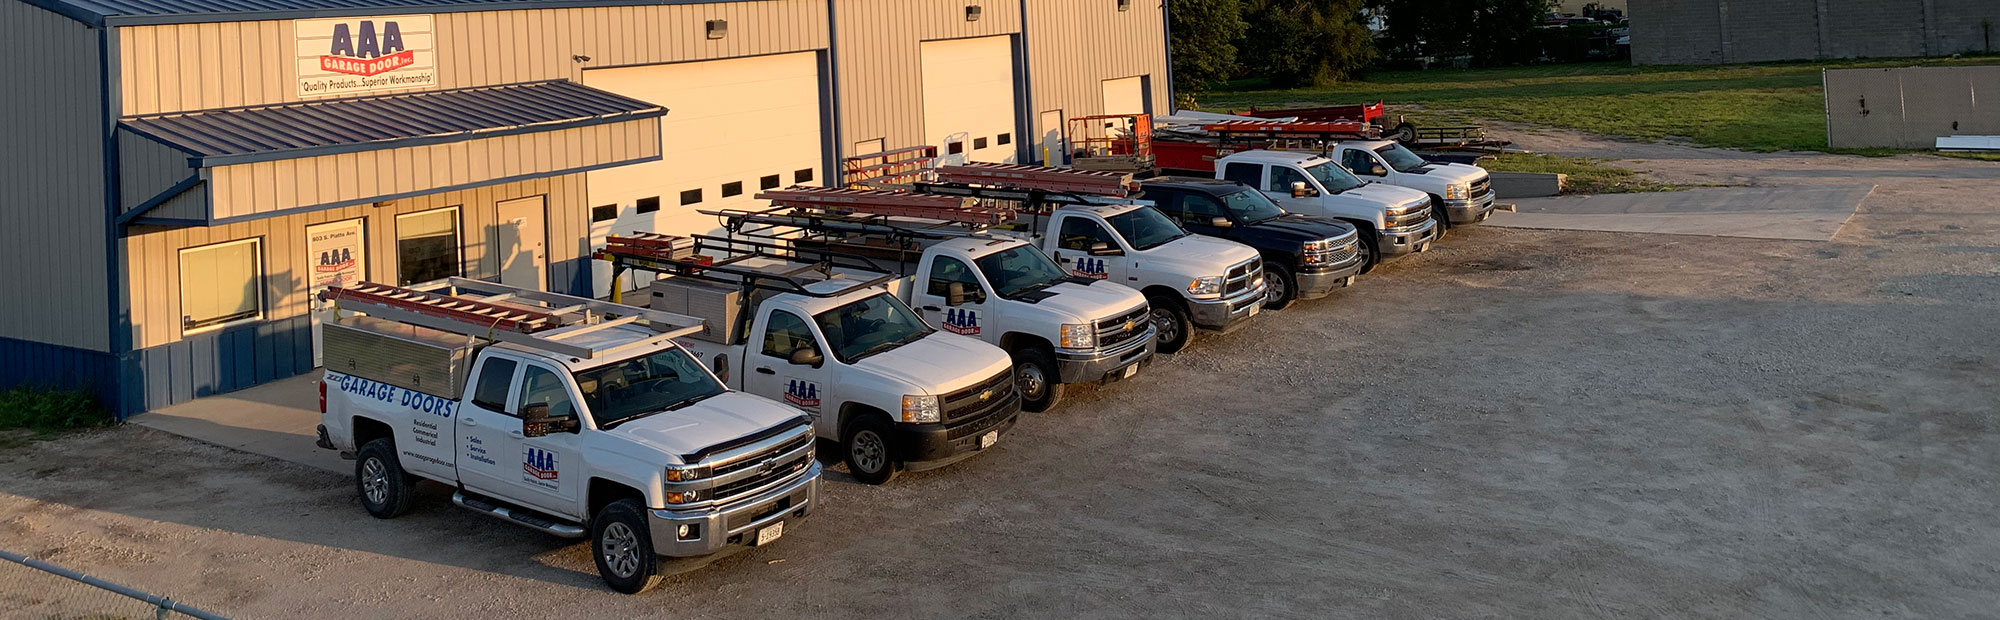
(1241, 130)
(1025, 199)
(892, 167)
(894, 204)
(1067, 180)
(740, 221)
(474, 308)
(714, 269)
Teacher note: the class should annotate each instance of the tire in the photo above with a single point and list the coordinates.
(1284, 287)
(1037, 378)
(1371, 254)
(1171, 317)
(622, 543)
(386, 490)
(1441, 216)
(1404, 133)
(865, 446)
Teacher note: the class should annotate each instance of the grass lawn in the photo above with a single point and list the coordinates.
(1758, 107)
(1586, 175)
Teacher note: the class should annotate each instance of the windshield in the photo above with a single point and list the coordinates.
(1401, 158)
(1333, 177)
(1251, 206)
(1146, 228)
(644, 385)
(869, 326)
(1018, 270)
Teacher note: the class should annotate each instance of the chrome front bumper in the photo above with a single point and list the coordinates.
(1102, 365)
(1317, 284)
(715, 528)
(1397, 241)
(1469, 211)
(1227, 314)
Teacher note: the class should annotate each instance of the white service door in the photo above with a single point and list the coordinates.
(732, 126)
(520, 242)
(969, 99)
(1125, 95)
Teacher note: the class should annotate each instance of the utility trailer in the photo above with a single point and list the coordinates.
(1446, 138)
(1194, 149)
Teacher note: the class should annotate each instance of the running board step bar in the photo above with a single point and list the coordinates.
(519, 516)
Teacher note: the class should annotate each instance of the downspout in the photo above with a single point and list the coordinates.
(120, 341)
(835, 173)
(1167, 31)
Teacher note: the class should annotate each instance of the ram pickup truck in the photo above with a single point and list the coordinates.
(1393, 221)
(833, 341)
(1059, 329)
(570, 416)
(1188, 280)
(1459, 194)
(1305, 256)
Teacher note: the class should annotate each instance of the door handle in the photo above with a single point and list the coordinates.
(468, 421)
(931, 308)
(516, 434)
(767, 371)
(1065, 259)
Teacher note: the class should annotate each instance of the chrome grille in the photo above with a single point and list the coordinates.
(1415, 217)
(756, 470)
(1480, 187)
(966, 403)
(1114, 331)
(1239, 277)
(778, 471)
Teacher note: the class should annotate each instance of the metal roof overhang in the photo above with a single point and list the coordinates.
(265, 161)
(115, 13)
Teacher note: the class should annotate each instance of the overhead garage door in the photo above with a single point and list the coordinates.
(969, 98)
(733, 127)
(1125, 95)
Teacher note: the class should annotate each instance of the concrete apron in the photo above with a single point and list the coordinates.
(1813, 213)
(276, 419)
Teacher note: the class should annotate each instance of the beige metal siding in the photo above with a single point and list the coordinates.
(246, 190)
(154, 256)
(52, 166)
(202, 66)
(1074, 45)
(147, 168)
(881, 61)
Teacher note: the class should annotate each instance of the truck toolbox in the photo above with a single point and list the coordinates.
(720, 307)
(400, 354)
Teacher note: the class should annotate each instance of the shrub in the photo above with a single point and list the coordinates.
(50, 410)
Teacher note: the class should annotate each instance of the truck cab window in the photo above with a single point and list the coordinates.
(1358, 161)
(1282, 178)
(1199, 210)
(642, 386)
(1247, 174)
(495, 377)
(542, 386)
(945, 271)
(870, 326)
(1079, 233)
(786, 332)
(1019, 270)
(1402, 159)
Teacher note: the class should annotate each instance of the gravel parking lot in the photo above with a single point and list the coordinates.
(1518, 423)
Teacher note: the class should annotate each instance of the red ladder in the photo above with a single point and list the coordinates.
(1278, 129)
(894, 204)
(1021, 176)
(477, 313)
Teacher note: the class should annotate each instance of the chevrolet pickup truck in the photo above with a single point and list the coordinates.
(571, 416)
(1393, 221)
(1459, 194)
(1305, 256)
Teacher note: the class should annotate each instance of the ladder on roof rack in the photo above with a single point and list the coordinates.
(1069, 180)
(1240, 130)
(894, 204)
(892, 167)
(731, 268)
(480, 309)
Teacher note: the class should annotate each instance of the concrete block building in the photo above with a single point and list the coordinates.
(1669, 32)
(187, 173)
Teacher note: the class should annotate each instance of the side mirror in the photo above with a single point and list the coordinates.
(807, 356)
(1219, 222)
(1378, 171)
(1103, 249)
(535, 421)
(1299, 189)
(721, 366)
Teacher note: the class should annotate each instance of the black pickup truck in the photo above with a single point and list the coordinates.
(1305, 257)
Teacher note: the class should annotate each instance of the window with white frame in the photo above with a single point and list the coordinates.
(427, 246)
(222, 284)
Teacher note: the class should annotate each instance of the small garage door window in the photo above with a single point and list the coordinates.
(427, 246)
(222, 284)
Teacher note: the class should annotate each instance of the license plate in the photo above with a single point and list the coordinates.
(1131, 370)
(987, 440)
(766, 535)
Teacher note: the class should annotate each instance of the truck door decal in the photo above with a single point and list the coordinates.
(802, 394)
(1090, 268)
(961, 321)
(540, 468)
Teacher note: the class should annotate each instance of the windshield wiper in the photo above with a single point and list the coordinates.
(676, 406)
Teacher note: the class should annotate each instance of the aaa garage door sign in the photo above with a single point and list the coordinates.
(364, 54)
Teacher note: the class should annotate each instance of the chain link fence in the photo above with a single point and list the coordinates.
(31, 588)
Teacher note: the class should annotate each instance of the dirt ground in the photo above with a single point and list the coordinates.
(1518, 423)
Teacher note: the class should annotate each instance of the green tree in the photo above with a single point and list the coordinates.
(1204, 44)
(1491, 32)
(1306, 42)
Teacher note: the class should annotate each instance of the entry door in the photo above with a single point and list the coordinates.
(338, 253)
(1054, 151)
(520, 241)
(969, 98)
(551, 464)
(489, 438)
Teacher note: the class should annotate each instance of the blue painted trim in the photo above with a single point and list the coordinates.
(426, 192)
(216, 362)
(829, 120)
(176, 222)
(1167, 46)
(117, 322)
(212, 161)
(39, 365)
(157, 200)
(1024, 99)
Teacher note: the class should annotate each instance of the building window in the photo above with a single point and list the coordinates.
(427, 246)
(802, 175)
(767, 182)
(692, 196)
(978, 143)
(603, 213)
(732, 188)
(1004, 139)
(222, 284)
(649, 204)
(954, 148)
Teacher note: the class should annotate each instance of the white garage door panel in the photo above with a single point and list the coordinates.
(734, 120)
(1125, 95)
(969, 95)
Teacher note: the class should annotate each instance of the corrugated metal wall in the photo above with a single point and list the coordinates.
(146, 168)
(52, 217)
(1074, 45)
(880, 62)
(204, 66)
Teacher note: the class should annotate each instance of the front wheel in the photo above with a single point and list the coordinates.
(1170, 317)
(1370, 252)
(1281, 288)
(623, 544)
(1441, 216)
(866, 444)
(1036, 377)
(386, 490)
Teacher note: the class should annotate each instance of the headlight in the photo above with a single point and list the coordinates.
(683, 497)
(920, 408)
(1078, 336)
(1322, 245)
(1211, 285)
(1455, 192)
(688, 473)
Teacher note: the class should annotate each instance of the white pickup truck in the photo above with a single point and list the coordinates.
(1188, 280)
(834, 342)
(570, 416)
(1060, 329)
(1459, 194)
(1392, 220)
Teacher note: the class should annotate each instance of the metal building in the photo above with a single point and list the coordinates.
(185, 173)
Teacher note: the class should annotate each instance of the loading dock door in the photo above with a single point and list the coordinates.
(969, 98)
(732, 127)
(1125, 95)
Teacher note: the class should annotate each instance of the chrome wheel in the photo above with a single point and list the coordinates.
(375, 482)
(1031, 381)
(1170, 328)
(1274, 290)
(870, 453)
(621, 549)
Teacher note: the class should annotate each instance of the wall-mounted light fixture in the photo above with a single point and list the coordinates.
(972, 12)
(580, 58)
(1124, 5)
(718, 28)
